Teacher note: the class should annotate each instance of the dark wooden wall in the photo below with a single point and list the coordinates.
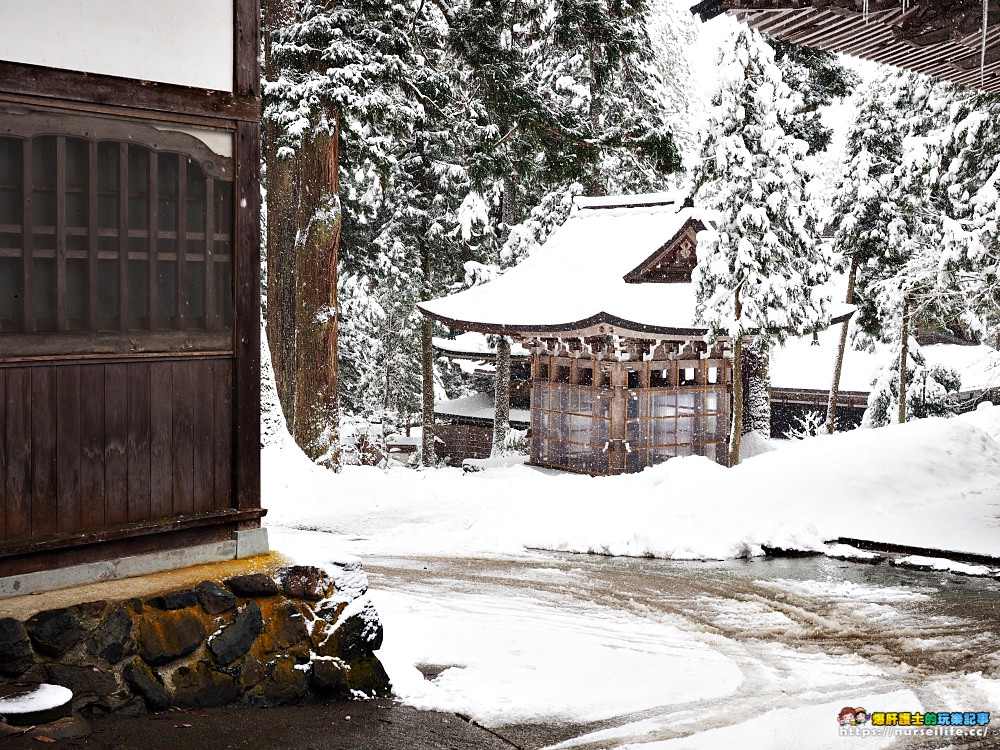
(462, 441)
(92, 445)
(101, 458)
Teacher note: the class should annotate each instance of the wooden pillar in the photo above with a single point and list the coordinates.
(619, 397)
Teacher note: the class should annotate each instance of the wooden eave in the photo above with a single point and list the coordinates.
(938, 38)
(477, 356)
(601, 324)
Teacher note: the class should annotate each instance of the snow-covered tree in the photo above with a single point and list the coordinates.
(335, 95)
(461, 130)
(757, 274)
(930, 391)
(819, 78)
(958, 260)
(918, 222)
(872, 229)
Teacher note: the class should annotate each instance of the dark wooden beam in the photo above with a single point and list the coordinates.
(940, 38)
(78, 538)
(246, 246)
(92, 92)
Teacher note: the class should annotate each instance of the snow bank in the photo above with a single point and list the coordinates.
(920, 562)
(933, 483)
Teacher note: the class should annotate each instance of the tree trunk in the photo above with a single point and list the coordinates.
(282, 223)
(316, 422)
(428, 458)
(501, 415)
(757, 408)
(501, 389)
(903, 356)
(737, 431)
(595, 180)
(831, 407)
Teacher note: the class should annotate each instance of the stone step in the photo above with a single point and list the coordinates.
(26, 705)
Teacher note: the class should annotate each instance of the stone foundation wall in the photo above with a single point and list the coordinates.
(252, 639)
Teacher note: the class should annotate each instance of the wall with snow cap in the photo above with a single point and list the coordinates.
(187, 42)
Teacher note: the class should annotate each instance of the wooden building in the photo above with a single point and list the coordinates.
(955, 40)
(129, 278)
(621, 377)
(463, 427)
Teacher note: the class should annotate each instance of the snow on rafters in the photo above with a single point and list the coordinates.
(476, 347)
(954, 40)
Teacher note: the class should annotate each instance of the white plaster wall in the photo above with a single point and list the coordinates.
(189, 42)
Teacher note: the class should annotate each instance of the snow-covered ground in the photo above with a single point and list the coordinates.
(933, 483)
(486, 615)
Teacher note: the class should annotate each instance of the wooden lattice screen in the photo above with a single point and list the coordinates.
(606, 417)
(128, 242)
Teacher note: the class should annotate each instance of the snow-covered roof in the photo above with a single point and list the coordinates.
(476, 346)
(576, 279)
(477, 406)
(799, 365)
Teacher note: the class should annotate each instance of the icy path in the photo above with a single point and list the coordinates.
(590, 652)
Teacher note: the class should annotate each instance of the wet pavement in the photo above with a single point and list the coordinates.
(924, 632)
(355, 725)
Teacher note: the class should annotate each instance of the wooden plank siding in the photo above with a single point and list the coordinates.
(86, 446)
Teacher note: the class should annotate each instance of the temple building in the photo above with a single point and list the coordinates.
(954, 40)
(621, 376)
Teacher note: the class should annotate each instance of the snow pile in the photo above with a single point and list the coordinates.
(43, 697)
(986, 417)
(813, 727)
(853, 554)
(920, 562)
(932, 483)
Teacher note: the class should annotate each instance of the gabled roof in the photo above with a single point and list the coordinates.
(673, 262)
(577, 279)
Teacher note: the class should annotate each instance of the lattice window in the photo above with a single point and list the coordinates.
(112, 244)
(570, 427)
(684, 421)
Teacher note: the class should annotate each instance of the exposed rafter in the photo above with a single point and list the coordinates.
(938, 38)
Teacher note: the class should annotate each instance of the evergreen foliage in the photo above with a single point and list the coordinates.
(464, 128)
(758, 272)
(930, 391)
(874, 213)
(752, 174)
(919, 214)
(819, 78)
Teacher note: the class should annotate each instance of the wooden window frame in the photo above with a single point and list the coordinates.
(213, 333)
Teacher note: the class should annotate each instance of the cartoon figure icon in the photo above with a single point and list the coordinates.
(860, 716)
(846, 716)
